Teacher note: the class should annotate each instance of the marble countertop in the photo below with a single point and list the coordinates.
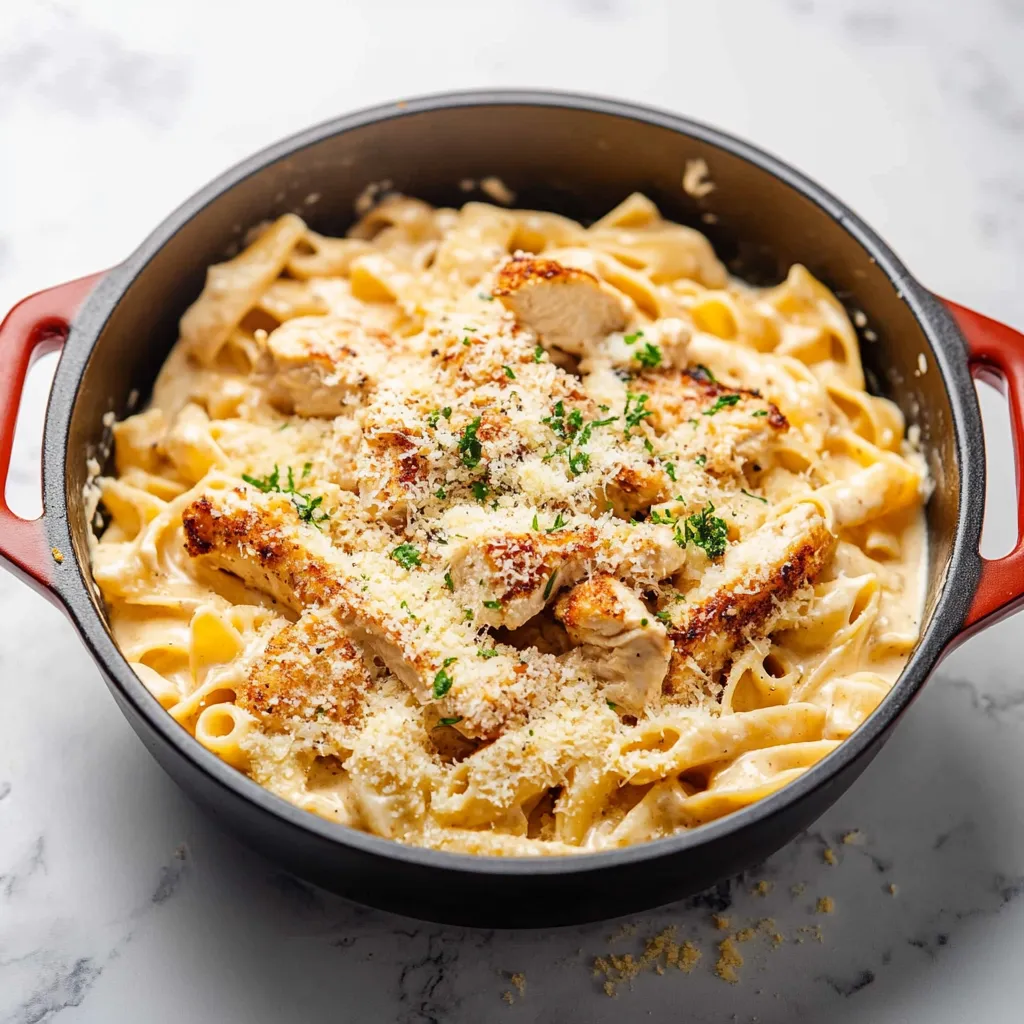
(120, 902)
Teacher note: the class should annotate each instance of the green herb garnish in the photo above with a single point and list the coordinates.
(448, 581)
(701, 459)
(449, 721)
(551, 583)
(307, 507)
(760, 412)
(648, 356)
(558, 524)
(705, 530)
(538, 353)
(635, 413)
(670, 469)
(442, 684)
(756, 497)
(486, 652)
(509, 373)
(722, 402)
(480, 490)
(406, 556)
(492, 604)
(470, 449)
(632, 339)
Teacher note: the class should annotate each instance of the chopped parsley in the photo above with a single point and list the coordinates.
(704, 372)
(670, 469)
(551, 583)
(649, 356)
(307, 507)
(536, 522)
(635, 413)
(538, 353)
(579, 462)
(760, 412)
(644, 622)
(612, 705)
(450, 721)
(663, 615)
(442, 683)
(266, 484)
(570, 428)
(560, 521)
(448, 661)
(406, 556)
(441, 493)
(648, 446)
(486, 652)
(509, 373)
(705, 530)
(701, 459)
(722, 402)
(492, 604)
(436, 414)
(756, 497)
(470, 449)
(467, 614)
(632, 339)
(485, 296)
(448, 581)
(480, 490)
(405, 606)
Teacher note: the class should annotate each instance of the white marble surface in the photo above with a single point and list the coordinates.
(119, 902)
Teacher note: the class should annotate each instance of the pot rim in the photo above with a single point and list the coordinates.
(946, 620)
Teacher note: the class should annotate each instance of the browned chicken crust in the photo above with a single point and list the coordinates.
(310, 671)
(741, 599)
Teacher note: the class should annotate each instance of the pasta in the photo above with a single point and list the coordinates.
(486, 531)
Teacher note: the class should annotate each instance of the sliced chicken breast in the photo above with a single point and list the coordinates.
(624, 644)
(741, 599)
(565, 307)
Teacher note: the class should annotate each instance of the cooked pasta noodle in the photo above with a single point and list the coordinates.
(482, 530)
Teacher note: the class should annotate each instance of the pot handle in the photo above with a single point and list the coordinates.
(36, 325)
(995, 354)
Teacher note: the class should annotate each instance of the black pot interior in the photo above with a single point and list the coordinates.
(574, 161)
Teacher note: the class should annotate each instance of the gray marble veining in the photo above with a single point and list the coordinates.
(120, 902)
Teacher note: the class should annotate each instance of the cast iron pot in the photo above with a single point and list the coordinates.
(579, 156)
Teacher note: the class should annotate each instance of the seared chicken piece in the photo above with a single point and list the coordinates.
(323, 366)
(508, 571)
(309, 674)
(565, 307)
(700, 419)
(634, 488)
(741, 599)
(624, 644)
(259, 538)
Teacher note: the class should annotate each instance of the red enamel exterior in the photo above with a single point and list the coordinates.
(35, 326)
(996, 354)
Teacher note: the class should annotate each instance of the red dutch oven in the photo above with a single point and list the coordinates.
(578, 156)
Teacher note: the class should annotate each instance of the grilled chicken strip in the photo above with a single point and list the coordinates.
(260, 539)
(565, 307)
(508, 570)
(310, 674)
(624, 644)
(741, 599)
(324, 366)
